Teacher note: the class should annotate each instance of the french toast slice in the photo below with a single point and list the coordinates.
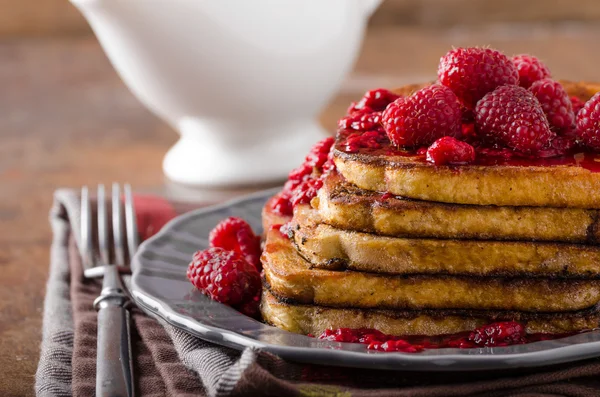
(327, 247)
(572, 180)
(346, 206)
(311, 319)
(291, 277)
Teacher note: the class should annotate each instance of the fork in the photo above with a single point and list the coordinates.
(114, 370)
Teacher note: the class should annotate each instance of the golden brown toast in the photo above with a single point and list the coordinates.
(327, 247)
(310, 319)
(570, 181)
(346, 206)
(291, 277)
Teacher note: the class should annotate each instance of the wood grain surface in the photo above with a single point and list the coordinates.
(61, 18)
(67, 120)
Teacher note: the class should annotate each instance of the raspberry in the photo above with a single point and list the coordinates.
(306, 191)
(555, 101)
(511, 115)
(235, 234)
(329, 165)
(588, 123)
(467, 114)
(282, 204)
(468, 133)
(224, 276)
(428, 114)
(360, 121)
(448, 150)
(374, 100)
(318, 153)
(473, 72)
(152, 213)
(498, 334)
(371, 140)
(300, 186)
(530, 69)
(300, 173)
(577, 104)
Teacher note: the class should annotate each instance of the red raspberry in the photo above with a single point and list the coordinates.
(448, 150)
(530, 69)
(152, 213)
(305, 181)
(306, 191)
(235, 234)
(588, 123)
(428, 114)
(577, 104)
(224, 276)
(374, 100)
(318, 153)
(329, 165)
(555, 101)
(282, 204)
(468, 133)
(371, 140)
(300, 173)
(360, 121)
(511, 115)
(301, 181)
(473, 72)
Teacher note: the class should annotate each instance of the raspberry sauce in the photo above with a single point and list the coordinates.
(497, 334)
(350, 142)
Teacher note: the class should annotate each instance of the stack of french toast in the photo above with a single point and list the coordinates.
(399, 244)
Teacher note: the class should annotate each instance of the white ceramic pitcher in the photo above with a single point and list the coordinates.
(242, 81)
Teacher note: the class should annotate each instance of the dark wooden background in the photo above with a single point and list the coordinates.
(67, 120)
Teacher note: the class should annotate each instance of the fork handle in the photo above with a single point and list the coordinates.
(113, 373)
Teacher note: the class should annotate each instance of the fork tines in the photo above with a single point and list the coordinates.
(123, 232)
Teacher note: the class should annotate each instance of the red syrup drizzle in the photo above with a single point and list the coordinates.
(497, 334)
(375, 143)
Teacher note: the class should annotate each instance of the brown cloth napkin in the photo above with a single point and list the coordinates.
(170, 362)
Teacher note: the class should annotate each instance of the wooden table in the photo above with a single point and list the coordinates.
(66, 120)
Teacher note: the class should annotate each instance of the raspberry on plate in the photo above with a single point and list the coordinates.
(511, 115)
(448, 150)
(224, 276)
(530, 69)
(555, 101)
(473, 72)
(235, 234)
(373, 101)
(499, 334)
(423, 117)
(588, 123)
